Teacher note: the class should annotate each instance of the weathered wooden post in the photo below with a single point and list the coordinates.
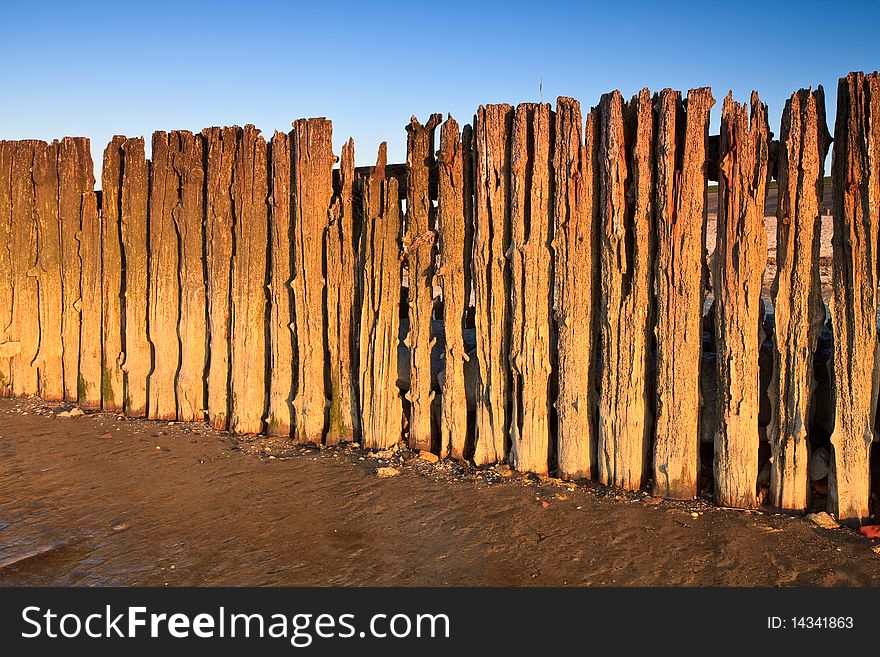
(381, 407)
(680, 217)
(23, 334)
(90, 310)
(250, 238)
(164, 290)
(625, 166)
(343, 312)
(280, 420)
(855, 177)
(7, 150)
(75, 179)
(576, 212)
(137, 362)
(47, 273)
(455, 233)
(418, 252)
(492, 127)
(188, 163)
(222, 145)
(531, 287)
(112, 288)
(312, 158)
(797, 294)
(740, 258)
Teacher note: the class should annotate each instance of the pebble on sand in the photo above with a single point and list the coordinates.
(387, 472)
(823, 520)
(73, 412)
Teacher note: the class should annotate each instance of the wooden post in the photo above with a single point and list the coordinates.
(625, 163)
(455, 234)
(680, 211)
(312, 157)
(531, 290)
(190, 387)
(576, 212)
(250, 194)
(23, 334)
(222, 145)
(75, 179)
(740, 257)
(280, 421)
(342, 294)
(797, 294)
(418, 253)
(112, 284)
(855, 177)
(492, 129)
(90, 310)
(164, 287)
(137, 362)
(7, 151)
(381, 407)
(47, 272)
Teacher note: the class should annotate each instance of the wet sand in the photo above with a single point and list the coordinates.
(92, 501)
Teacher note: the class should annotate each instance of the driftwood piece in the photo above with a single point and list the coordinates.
(492, 129)
(222, 145)
(250, 203)
(112, 283)
(342, 306)
(47, 272)
(680, 215)
(312, 161)
(797, 294)
(454, 237)
(137, 361)
(75, 179)
(625, 163)
(740, 258)
(7, 151)
(381, 281)
(23, 333)
(576, 205)
(418, 253)
(531, 286)
(163, 287)
(188, 163)
(280, 420)
(90, 344)
(855, 177)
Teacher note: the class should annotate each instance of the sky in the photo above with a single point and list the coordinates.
(100, 69)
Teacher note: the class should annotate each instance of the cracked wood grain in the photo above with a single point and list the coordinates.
(625, 164)
(23, 333)
(312, 158)
(250, 203)
(454, 231)
(855, 177)
(222, 145)
(680, 212)
(740, 258)
(280, 420)
(342, 305)
(797, 295)
(137, 360)
(112, 284)
(7, 152)
(48, 272)
(492, 128)
(188, 163)
(418, 247)
(381, 281)
(164, 286)
(530, 256)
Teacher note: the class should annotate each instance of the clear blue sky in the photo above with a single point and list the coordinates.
(101, 69)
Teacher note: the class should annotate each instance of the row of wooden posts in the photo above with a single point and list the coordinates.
(249, 284)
